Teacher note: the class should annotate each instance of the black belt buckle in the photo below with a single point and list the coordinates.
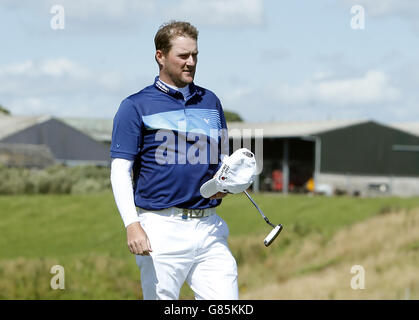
(199, 213)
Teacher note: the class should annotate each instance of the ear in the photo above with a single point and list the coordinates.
(160, 58)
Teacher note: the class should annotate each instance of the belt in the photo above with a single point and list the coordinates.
(184, 213)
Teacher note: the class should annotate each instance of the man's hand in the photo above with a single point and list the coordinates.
(137, 240)
(218, 195)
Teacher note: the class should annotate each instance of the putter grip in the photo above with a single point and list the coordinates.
(272, 235)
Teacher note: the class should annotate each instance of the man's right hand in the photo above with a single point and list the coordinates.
(137, 240)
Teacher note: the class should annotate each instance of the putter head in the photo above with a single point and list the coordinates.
(272, 235)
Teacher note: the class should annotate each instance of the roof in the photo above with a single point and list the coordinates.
(98, 129)
(101, 129)
(28, 155)
(13, 124)
(65, 141)
(289, 129)
(409, 127)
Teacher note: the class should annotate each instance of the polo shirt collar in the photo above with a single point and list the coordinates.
(170, 91)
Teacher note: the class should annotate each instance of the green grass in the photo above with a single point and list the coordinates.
(59, 225)
(316, 267)
(303, 213)
(85, 234)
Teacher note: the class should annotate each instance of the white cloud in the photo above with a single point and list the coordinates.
(107, 9)
(373, 87)
(218, 12)
(58, 86)
(34, 105)
(407, 10)
(111, 80)
(49, 67)
(237, 95)
(96, 16)
(60, 72)
(404, 8)
(86, 10)
(61, 67)
(113, 15)
(322, 75)
(16, 68)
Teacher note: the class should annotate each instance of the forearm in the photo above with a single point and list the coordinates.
(121, 182)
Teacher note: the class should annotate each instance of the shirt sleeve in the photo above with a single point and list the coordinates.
(126, 132)
(224, 142)
(123, 192)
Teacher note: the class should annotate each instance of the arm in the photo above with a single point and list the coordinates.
(138, 242)
(223, 149)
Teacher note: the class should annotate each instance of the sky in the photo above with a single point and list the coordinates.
(266, 60)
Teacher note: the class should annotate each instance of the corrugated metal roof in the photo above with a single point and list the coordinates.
(289, 129)
(98, 129)
(13, 124)
(409, 127)
(101, 129)
(26, 155)
(65, 141)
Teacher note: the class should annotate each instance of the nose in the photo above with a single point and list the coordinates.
(191, 61)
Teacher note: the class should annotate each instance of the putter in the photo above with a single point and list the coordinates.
(276, 229)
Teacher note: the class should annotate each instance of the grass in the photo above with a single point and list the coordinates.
(385, 246)
(305, 213)
(60, 225)
(85, 234)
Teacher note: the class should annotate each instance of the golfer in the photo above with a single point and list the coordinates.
(164, 147)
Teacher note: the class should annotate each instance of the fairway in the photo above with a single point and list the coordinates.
(85, 234)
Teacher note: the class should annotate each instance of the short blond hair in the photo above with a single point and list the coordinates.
(171, 30)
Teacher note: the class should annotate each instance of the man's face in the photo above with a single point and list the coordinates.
(179, 64)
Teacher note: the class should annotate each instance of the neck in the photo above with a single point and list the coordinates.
(168, 81)
(172, 85)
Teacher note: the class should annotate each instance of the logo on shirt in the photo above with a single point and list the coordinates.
(162, 87)
(206, 120)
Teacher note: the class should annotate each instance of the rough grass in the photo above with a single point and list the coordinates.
(86, 277)
(385, 246)
(55, 179)
(311, 259)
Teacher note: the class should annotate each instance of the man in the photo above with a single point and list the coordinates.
(158, 132)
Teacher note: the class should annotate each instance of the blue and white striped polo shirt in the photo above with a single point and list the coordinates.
(176, 144)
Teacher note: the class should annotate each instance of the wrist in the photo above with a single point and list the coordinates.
(128, 220)
(133, 225)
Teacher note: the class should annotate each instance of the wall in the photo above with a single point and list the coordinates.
(370, 185)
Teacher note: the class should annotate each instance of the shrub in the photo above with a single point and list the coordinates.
(56, 179)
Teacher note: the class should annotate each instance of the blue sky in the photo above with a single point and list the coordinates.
(267, 60)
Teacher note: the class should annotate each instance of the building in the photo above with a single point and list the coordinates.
(98, 129)
(355, 157)
(65, 143)
(25, 155)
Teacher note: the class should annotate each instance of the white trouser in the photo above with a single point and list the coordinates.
(192, 249)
